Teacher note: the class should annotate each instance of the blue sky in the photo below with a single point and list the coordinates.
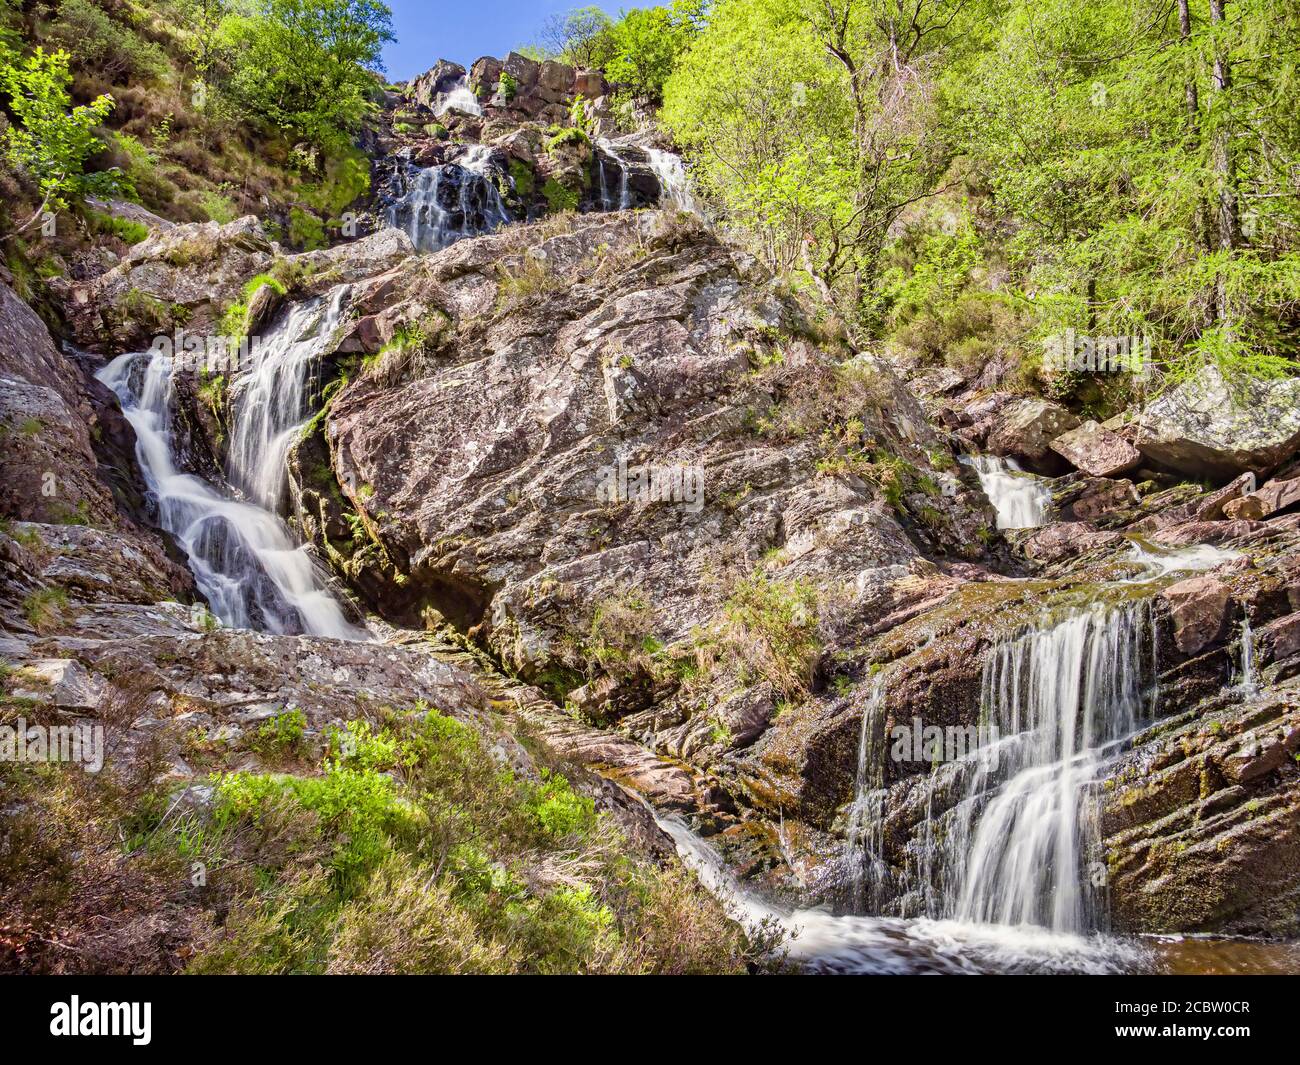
(429, 30)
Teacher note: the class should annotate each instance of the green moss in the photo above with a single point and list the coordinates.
(523, 178)
(559, 197)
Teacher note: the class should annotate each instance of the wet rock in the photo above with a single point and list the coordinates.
(1205, 428)
(429, 87)
(1066, 540)
(1275, 497)
(1199, 607)
(1096, 451)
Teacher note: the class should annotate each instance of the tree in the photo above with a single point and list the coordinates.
(51, 140)
(305, 65)
(579, 37)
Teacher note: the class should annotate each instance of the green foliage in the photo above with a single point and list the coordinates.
(281, 735)
(50, 139)
(306, 231)
(646, 44)
(107, 46)
(507, 86)
(304, 65)
(416, 850)
(124, 229)
(559, 197)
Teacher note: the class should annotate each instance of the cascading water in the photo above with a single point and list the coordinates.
(447, 203)
(1066, 694)
(1246, 682)
(1059, 700)
(867, 869)
(460, 97)
(1020, 499)
(269, 398)
(243, 557)
(616, 195)
(673, 183)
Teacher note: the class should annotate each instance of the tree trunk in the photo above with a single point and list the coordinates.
(1221, 158)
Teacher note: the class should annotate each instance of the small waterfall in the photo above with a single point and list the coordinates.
(1064, 695)
(868, 874)
(1246, 682)
(269, 398)
(243, 557)
(447, 203)
(673, 182)
(617, 197)
(459, 97)
(1020, 499)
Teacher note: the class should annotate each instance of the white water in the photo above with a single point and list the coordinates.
(675, 186)
(1020, 499)
(825, 943)
(618, 198)
(447, 203)
(460, 97)
(269, 398)
(1157, 562)
(1247, 678)
(867, 870)
(242, 555)
(1068, 692)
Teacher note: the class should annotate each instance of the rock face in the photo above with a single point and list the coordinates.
(621, 462)
(1025, 428)
(1096, 451)
(1199, 609)
(1203, 428)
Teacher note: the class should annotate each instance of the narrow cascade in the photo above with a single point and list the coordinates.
(459, 97)
(867, 870)
(616, 195)
(1019, 848)
(1020, 499)
(243, 557)
(447, 203)
(675, 186)
(1246, 681)
(269, 397)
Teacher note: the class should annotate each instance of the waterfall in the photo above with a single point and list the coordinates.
(673, 183)
(1065, 694)
(1246, 682)
(444, 204)
(1020, 499)
(269, 398)
(618, 198)
(865, 846)
(242, 555)
(460, 97)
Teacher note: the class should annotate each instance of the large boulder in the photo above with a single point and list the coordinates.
(1025, 428)
(1209, 428)
(583, 364)
(1096, 451)
(180, 278)
(429, 87)
(1200, 609)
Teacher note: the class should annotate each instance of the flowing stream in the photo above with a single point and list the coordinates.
(447, 203)
(1020, 499)
(460, 97)
(243, 556)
